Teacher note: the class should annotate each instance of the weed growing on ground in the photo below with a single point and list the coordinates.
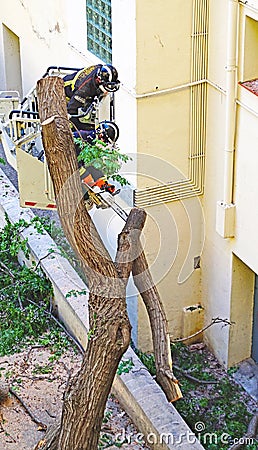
(63, 245)
(219, 407)
(25, 297)
(216, 413)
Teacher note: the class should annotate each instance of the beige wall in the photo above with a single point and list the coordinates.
(250, 66)
(242, 301)
(163, 131)
(163, 61)
(170, 246)
(217, 41)
(246, 242)
(163, 44)
(152, 49)
(12, 73)
(216, 259)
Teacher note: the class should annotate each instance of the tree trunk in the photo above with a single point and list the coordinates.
(159, 327)
(86, 396)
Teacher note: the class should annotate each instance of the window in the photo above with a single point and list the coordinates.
(99, 28)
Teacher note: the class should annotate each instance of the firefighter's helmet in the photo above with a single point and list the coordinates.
(108, 131)
(109, 78)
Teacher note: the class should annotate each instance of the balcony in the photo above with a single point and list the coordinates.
(248, 94)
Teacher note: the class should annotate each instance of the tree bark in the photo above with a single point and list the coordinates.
(159, 327)
(86, 396)
(131, 257)
(128, 243)
(87, 393)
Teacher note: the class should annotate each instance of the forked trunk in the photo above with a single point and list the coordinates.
(86, 396)
(109, 334)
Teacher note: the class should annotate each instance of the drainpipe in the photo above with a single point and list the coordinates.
(230, 100)
(225, 222)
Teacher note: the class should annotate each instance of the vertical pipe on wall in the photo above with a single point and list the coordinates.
(230, 100)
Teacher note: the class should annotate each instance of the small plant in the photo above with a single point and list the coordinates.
(125, 366)
(25, 297)
(219, 408)
(232, 370)
(75, 293)
(107, 416)
(148, 360)
(104, 157)
(44, 369)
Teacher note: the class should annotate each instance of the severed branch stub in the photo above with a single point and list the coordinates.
(159, 327)
(129, 245)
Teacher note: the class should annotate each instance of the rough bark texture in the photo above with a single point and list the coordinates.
(131, 257)
(159, 327)
(86, 396)
(128, 243)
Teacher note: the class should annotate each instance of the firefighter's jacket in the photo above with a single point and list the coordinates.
(81, 87)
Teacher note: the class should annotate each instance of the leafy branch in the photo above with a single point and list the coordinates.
(25, 295)
(103, 156)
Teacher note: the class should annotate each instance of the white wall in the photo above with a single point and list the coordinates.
(246, 242)
(44, 33)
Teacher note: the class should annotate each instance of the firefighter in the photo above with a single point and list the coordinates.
(86, 85)
(106, 131)
(92, 177)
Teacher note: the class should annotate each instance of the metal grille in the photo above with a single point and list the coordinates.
(99, 29)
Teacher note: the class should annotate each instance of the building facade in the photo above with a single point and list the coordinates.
(187, 112)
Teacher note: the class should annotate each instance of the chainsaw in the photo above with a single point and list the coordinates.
(103, 199)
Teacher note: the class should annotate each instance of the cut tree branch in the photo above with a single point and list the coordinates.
(213, 322)
(159, 326)
(41, 425)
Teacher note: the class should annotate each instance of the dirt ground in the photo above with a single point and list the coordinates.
(40, 384)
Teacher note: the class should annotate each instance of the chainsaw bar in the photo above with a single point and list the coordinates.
(105, 200)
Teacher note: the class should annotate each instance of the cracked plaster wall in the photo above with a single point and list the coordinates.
(45, 30)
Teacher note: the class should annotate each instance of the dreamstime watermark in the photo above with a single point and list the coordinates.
(187, 437)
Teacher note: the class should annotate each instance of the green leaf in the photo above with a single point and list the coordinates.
(125, 366)
(104, 157)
